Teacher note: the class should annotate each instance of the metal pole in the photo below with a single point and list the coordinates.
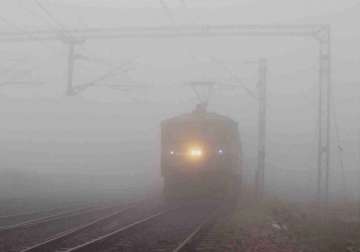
(319, 128)
(327, 73)
(358, 191)
(324, 115)
(70, 70)
(260, 173)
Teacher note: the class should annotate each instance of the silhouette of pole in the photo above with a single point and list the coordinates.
(70, 69)
(261, 86)
(323, 36)
(72, 56)
(359, 174)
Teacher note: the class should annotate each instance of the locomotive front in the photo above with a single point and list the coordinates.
(200, 155)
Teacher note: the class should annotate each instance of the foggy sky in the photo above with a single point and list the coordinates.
(40, 118)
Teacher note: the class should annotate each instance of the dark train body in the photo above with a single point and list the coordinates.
(200, 155)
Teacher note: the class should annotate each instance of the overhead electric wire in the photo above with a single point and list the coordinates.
(17, 27)
(109, 74)
(213, 59)
(175, 26)
(47, 12)
(171, 17)
(24, 31)
(167, 11)
(62, 28)
(36, 15)
(183, 3)
(234, 77)
(7, 22)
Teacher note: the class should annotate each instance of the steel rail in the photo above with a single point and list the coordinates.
(96, 243)
(43, 246)
(41, 220)
(190, 242)
(44, 213)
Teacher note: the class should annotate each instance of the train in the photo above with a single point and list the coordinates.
(200, 155)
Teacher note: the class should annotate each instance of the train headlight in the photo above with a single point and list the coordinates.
(195, 153)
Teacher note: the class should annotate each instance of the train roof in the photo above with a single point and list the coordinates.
(199, 116)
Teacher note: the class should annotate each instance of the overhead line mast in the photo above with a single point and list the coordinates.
(262, 101)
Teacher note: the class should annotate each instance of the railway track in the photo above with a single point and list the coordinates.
(145, 226)
(199, 238)
(172, 228)
(49, 218)
(14, 219)
(6, 220)
(19, 236)
(96, 228)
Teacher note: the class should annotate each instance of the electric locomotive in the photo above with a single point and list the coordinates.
(200, 155)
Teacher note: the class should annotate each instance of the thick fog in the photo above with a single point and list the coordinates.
(106, 138)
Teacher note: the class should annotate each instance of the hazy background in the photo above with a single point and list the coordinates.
(104, 139)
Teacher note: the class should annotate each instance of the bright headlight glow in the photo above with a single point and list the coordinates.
(195, 153)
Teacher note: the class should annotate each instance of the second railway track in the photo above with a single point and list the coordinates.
(171, 229)
(149, 225)
(97, 228)
(20, 236)
(48, 218)
(22, 217)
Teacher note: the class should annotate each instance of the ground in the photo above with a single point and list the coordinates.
(275, 225)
